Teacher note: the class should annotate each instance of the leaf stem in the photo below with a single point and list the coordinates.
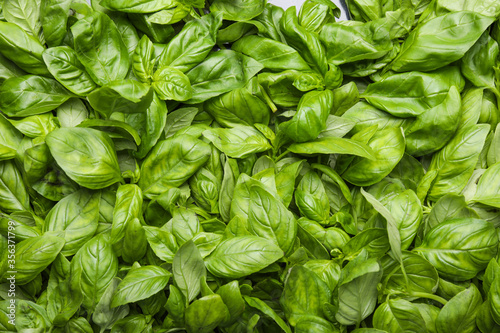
(269, 101)
(281, 156)
(429, 296)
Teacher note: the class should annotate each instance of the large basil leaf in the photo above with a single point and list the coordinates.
(456, 161)
(440, 41)
(399, 316)
(22, 49)
(269, 218)
(271, 54)
(240, 256)
(128, 206)
(241, 106)
(192, 45)
(388, 146)
(239, 10)
(357, 293)
(13, 193)
(221, 72)
(418, 276)
(459, 314)
(77, 216)
(353, 41)
(33, 255)
(140, 283)
(30, 94)
(411, 94)
(54, 15)
(64, 65)
(304, 294)
(72, 113)
(171, 163)
(205, 314)
(188, 269)
(239, 141)
(488, 189)
(86, 155)
(478, 62)
(162, 242)
(93, 267)
(301, 39)
(171, 83)
(310, 119)
(100, 48)
(435, 127)
(460, 248)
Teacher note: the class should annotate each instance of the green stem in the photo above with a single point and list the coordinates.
(269, 101)
(195, 14)
(429, 296)
(281, 156)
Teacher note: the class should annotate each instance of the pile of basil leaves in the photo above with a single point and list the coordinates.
(230, 166)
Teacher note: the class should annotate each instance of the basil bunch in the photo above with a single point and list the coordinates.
(231, 166)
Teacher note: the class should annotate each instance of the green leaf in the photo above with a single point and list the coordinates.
(171, 83)
(100, 48)
(440, 41)
(398, 316)
(54, 15)
(273, 55)
(93, 267)
(219, 73)
(22, 49)
(188, 270)
(128, 206)
(232, 298)
(205, 314)
(13, 193)
(63, 64)
(358, 289)
(33, 255)
(238, 10)
(86, 155)
(455, 163)
(459, 314)
(181, 157)
(304, 294)
(460, 248)
(77, 216)
(411, 94)
(162, 243)
(267, 310)
(137, 6)
(239, 141)
(29, 95)
(192, 45)
(26, 14)
(104, 315)
(332, 145)
(140, 283)
(240, 256)
(488, 188)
